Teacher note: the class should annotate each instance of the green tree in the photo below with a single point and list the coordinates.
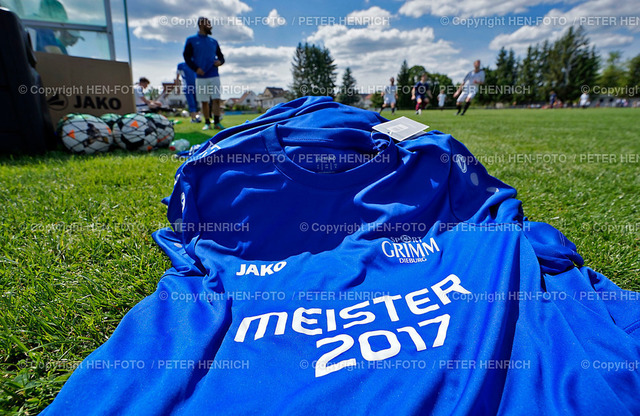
(613, 76)
(633, 76)
(490, 78)
(313, 70)
(153, 93)
(403, 81)
(571, 65)
(544, 81)
(506, 73)
(300, 71)
(377, 100)
(415, 72)
(528, 80)
(348, 90)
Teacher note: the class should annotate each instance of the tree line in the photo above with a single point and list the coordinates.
(569, 66)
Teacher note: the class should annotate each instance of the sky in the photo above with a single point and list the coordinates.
(258, 38)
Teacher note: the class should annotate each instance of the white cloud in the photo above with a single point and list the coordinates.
(371, 17)
(612, 40)
(275, 20)
(604, 22)
(177, 29)
(530, 35)
(170, 21)
(467, 8)
(373, 54)
(256, 67)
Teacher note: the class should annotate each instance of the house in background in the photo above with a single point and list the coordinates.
(366, 100)
(248, 100)
(172, 96)
(272, 96)
(231, 102)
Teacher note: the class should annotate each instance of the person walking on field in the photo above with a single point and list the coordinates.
(202, 54)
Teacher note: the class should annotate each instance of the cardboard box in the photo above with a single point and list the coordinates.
(83, 85)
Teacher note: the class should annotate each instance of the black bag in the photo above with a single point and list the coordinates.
(25, 124)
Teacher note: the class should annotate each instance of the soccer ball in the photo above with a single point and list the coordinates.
(62, 120)
(184, 113)
(84, 133)
(164, 127)
(135, 132)
(110, 119)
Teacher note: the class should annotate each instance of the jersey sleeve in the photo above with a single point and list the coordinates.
(563, 272)
(474, 195)
(187, 54)
(219, 54)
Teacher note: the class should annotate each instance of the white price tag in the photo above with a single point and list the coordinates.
(401, 128)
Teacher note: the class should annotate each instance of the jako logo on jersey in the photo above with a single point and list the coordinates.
(409, 249)
(265, 269)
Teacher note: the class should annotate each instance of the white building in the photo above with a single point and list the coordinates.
(272, 96)
(249, 99)
(172, 95)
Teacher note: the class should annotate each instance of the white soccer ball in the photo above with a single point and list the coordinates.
(135, 132)
(84, 133)
(164, 128)
(184, 113)
(110, 119)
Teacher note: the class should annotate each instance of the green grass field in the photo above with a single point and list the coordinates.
(76, 251)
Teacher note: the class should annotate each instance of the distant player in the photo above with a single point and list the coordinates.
(552, 99)
(421, 93)
(584, 100)
(469, 87)
(390, 96)
(441, 98)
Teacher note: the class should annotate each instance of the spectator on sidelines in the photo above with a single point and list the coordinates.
(143, 104)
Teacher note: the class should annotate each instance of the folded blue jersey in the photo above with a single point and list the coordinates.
(321, 268)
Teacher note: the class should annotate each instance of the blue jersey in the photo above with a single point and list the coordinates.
(321, 268)
(187, 73)
(421, 89)
(201, 51)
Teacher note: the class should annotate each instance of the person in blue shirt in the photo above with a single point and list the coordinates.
(203, 55)
(189, 77)
(552, 99)
(421, 93)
